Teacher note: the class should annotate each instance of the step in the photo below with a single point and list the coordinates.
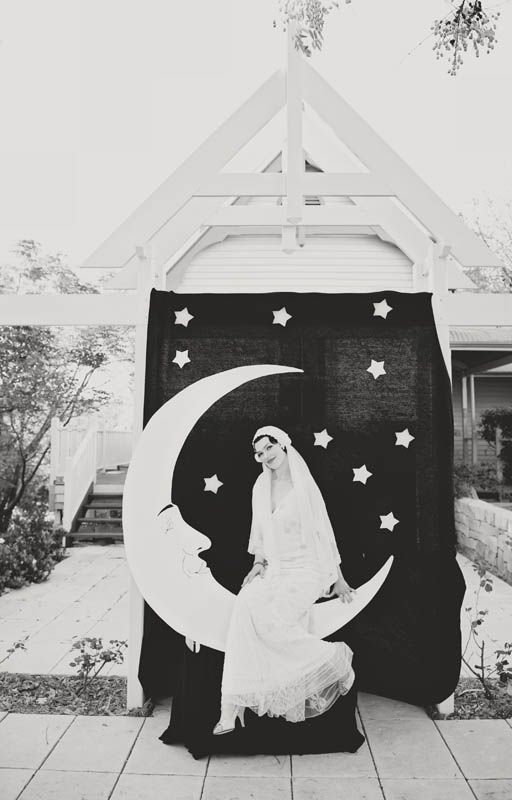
(95, 535)
(107, 489)
(104, 506)
(99, 520)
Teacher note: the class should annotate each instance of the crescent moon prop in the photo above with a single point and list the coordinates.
(163, 550)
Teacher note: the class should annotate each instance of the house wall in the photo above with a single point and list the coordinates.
(343, 263)
(489, 393)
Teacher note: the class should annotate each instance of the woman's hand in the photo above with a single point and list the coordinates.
(342, 590)
(258, 569)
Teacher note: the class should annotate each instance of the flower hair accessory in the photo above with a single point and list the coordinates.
(280, 436)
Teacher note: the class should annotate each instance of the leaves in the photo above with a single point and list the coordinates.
(46, 372)
(468, 25)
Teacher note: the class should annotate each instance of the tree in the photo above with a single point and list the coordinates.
(45, 372)
(493, 223)
(467, 25)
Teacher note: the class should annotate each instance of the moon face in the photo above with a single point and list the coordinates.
(163, 550)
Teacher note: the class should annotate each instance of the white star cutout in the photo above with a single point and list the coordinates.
(183, 317)
(382, 309)
(322, 439)
(388, 521)
(281, 317)
(361, 474)
(181, 358)
(212, 484)
(403, 438)
(376, 368)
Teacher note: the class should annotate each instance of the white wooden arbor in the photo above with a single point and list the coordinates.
(202, 201)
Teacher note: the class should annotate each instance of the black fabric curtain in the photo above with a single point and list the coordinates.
(407, 641)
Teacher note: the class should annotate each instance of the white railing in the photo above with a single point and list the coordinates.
(112, 447)
(79, 474)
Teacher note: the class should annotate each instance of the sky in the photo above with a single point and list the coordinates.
(101, 100)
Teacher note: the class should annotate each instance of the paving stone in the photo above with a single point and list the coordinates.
(26, 739)
(409, 748)
(52, 785)
(152, 757)
(482, 747)
(330, 765)
(12, 782)
(492, 789)
(161, 787)
(336, 788)
(256, 766)
(248, 788)
(95, 744)
(426, 789)
(372, 706)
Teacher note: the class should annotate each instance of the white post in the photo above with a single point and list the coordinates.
(474, 446)
(145, 281)
(465, 420)
(54, 448)
(293, 154)
(439, 287)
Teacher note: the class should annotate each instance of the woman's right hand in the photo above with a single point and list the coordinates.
(258, 569)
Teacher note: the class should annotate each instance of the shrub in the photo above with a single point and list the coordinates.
(30, 547)
(478, 476)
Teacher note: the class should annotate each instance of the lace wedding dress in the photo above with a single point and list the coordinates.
(273, 665)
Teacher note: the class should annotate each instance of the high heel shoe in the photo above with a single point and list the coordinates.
(221, 728)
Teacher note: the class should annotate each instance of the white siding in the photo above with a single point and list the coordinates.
(343, 263)
(489, 393)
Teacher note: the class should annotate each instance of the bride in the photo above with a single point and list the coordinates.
(273, 665)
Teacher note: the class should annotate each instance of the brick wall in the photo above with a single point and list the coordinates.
(484, 533)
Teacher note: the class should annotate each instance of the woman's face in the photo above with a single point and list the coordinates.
(269, 453)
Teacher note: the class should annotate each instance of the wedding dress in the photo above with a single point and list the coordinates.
(273, 664)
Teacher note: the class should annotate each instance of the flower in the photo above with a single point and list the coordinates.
(2, 541)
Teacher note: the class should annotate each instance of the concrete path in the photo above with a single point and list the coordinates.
(56, 757)
(406, 757)
(87, 595)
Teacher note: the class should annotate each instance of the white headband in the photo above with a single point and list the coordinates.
(280, 436)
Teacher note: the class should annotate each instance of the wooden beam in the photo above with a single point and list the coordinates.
(204, 163)
(268, 184)
(294, 149)
(237, 184)
(404, 231)
(491, 364)
(276, 215)
(68, 309)
(381, 160)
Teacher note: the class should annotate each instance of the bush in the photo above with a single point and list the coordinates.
(490, 421)
(479, 477)
(30, 548)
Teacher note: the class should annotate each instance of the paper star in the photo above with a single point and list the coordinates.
(376, 368)
(212, 484)
(322, 439)
(361, 474)
(281, 317)
(388, 521)
(181, 358)
(382, 309)
(403, 438)
(183, 317)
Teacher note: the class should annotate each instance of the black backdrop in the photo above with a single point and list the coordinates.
(407, 641)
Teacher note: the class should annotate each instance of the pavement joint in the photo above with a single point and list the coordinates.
(130, 750)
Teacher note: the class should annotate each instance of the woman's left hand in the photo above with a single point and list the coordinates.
(342, 590)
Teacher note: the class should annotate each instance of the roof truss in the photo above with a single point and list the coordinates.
(198, 196)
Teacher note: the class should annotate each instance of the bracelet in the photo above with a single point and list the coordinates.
(259, 562)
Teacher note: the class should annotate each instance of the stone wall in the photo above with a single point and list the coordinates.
(484, 533)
